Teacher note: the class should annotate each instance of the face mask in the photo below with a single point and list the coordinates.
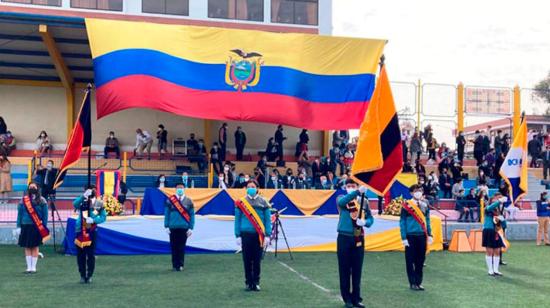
(350, 190)
(220, 178)
(42, 135)
(417, 195)
(251, 191)
(246, 179)
(179, 192)
(241, 180)
(324, 182)
(226, 168)
(421, 182)
(184, 178)
(111, 136)
(49, 166)
(162, 180)
(274, 178)
(503, 199)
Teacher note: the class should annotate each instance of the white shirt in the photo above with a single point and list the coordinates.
(143, 138)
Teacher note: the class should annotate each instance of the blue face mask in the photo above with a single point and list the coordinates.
(251, 191)
(184, 178)
(241, 180)
(179, 191)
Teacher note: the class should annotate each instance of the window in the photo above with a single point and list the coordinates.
(172, 7)
(38, 2)
(236, 9)
(300, 12)
(109, 5)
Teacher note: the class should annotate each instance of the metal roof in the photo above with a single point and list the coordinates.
(24, 56)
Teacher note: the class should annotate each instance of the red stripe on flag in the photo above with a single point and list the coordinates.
(392, 167)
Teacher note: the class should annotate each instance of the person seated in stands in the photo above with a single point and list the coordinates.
(111, 146)
(445, 163)
(445, 184)
(431, 189)
(274, 181)
(228, 175)
(460, 206)
(223, 181)
(301, 182)
(43, 143)
(457, 187)
(215, 157)
(259, 177)
(324, 184)
(407, 167)
(161, 182)
(332, 180)
(239, 181)
(443, 151)
(189, 183)
(482, 180)
(419, 168)
(262, 165)
(456, 171)
(341, 183)
(7, 143)
(472, 205)
(122, 192)
(289, 179)
(192, 145)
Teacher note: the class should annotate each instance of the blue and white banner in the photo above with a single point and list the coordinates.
(514, 168)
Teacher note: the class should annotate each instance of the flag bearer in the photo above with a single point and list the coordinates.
(493, 240)
(91, 213)
(416, 234)
(351, 241)
(179, 221)
(32, 221)
(253, 231)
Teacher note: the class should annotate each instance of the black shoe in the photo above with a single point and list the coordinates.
(420, 287)
(176, 269)
(256, 288)
(503, 263)
(359, 305)
(82, 280)
(249, 287)
(414, 287)
(348, 305)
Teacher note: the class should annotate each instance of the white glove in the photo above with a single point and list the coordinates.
(267, 241)
(360, 222)
(168, 230)
(500, 217)
(238, 242)
(16, 232)
(362, 189)
(89, 220)
(503, 199)
(406, 243)
(430, 240)
(189, 233)
(87, 193)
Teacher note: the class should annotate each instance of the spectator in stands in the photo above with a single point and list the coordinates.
(506, 145)
(498, 143)
(289, 180)
(192, 145)
(473, 204)
(445, 184)
(405, 141)
(223, 181)
(144, 141)
(45, 178)
(460, 206)
(324, 184)
(161, 182)
(431, 147)
(482, 179)
(240, 142)
(7, 143)
(316, 171)
(111, 146)
(335, 158)
(162, 141)
(189, 183)
(486, 143)
(534, 148)
(443, 151)
(407, 167)
(222, 141)
(460, 145)
(344, 135)
(444, 164)
(336, 139)
(271, 150)
(431, 188)
(419, 169)
(123, 191)
(274, 182)
(543, 217)
(332, 180)
(201, 155)
(347, 158)
(43, 143)
(3, 126)
(5, 179)
(259, 177)
(498, 165)
(215, 157)
(456, 171)
(416, 145)
(228, 175)
(262, 165)
(304, 140)
(279, 139)
(458, 189)
(478, 147)
(512, 210)
(545, 161)
(301, 182)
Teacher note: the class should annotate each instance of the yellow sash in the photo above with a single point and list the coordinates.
(417, 211)
(253, 213)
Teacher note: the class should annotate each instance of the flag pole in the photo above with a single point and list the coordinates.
(88, 90)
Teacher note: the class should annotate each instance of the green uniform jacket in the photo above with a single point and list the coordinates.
(409, 226)
(262, 208)
(488, 222)
(173, 218)
(99, 216)
(41, 208)
(345, 222)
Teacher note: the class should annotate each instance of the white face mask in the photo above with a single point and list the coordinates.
(350, 190)
(162, 180)
(226, 168)
(220, 178)
(503, 199)
(417, 195)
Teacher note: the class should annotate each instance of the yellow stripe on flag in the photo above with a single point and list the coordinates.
(108, 183)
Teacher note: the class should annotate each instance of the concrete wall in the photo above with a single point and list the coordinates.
(28, 110)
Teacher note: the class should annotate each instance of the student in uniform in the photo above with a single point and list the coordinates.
(32, 221)
(91, 213)
(253, 231)
(416, 234)
(179, 221)
(351, 241)
(492, 239)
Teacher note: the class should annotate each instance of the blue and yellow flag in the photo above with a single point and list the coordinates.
(514, 168)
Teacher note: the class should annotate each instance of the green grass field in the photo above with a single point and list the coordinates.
(451, 280)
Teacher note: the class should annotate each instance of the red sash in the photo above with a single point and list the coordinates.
(417, 214)
(181, 209)
(42, 229)
(83, 238)
(358, 232)
(258, 225)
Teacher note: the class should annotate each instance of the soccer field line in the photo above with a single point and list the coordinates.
(308, 280)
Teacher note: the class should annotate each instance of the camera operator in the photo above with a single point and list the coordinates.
(45, 177)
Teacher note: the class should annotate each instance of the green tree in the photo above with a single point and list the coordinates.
(542, 89)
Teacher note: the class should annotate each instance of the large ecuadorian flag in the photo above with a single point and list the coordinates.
(80, 140)
(303, 80)
(514, 168)
(379, 156)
